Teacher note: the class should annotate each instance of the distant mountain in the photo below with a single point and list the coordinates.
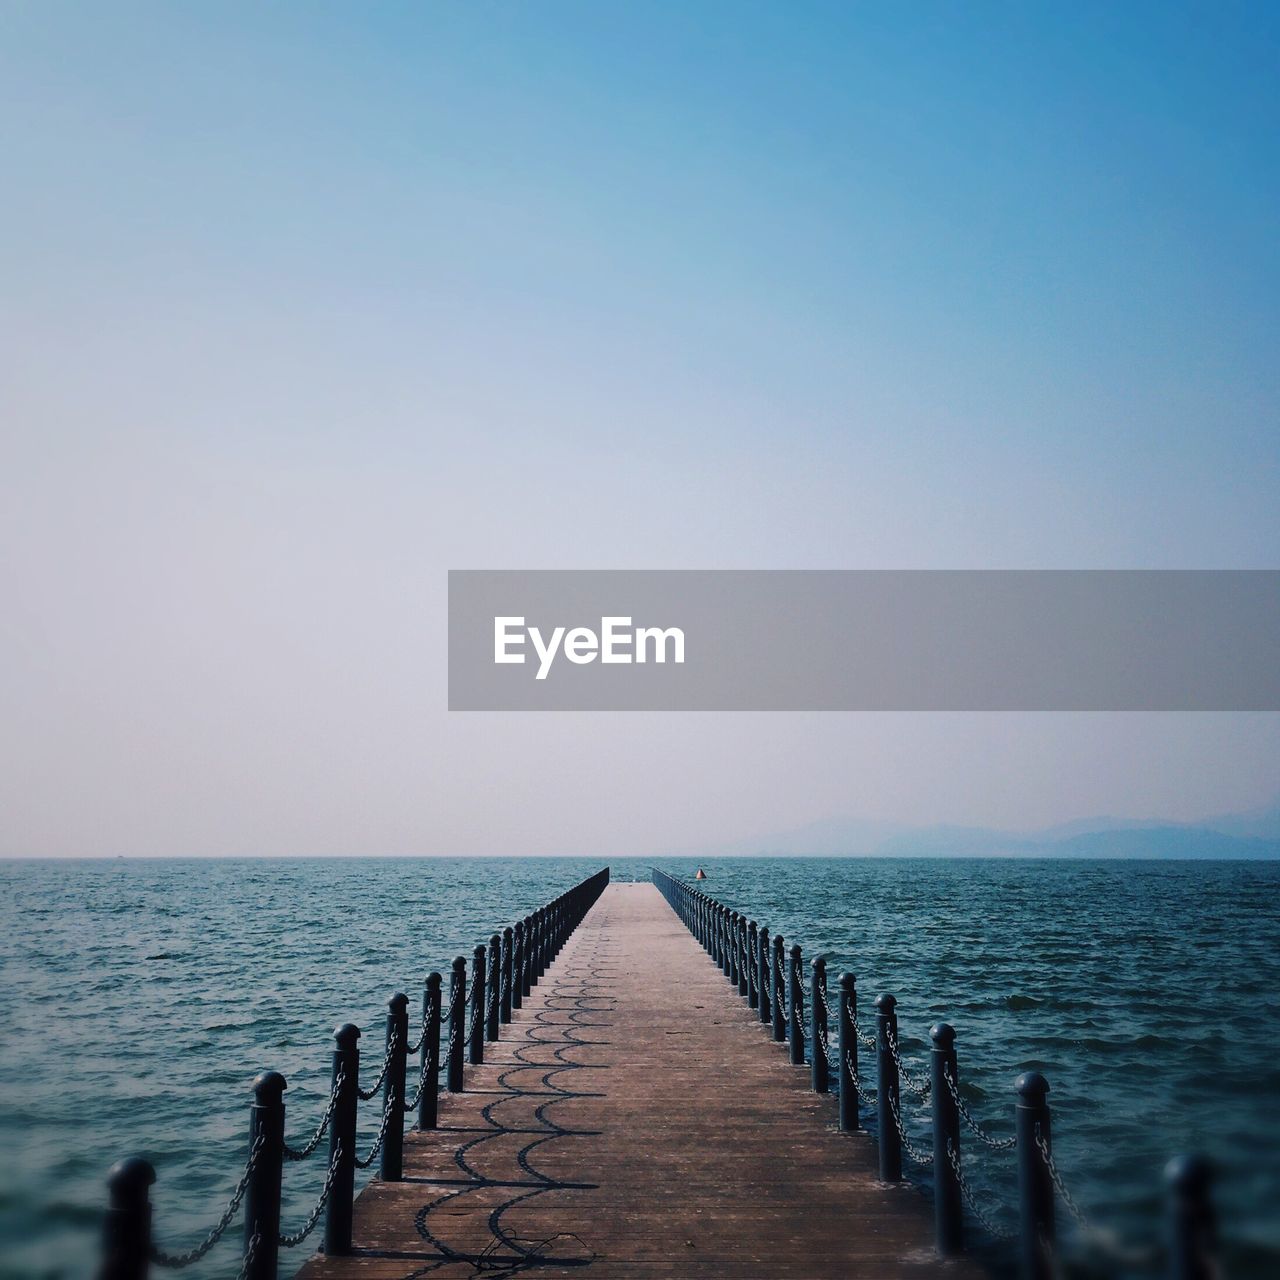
(1252, 835)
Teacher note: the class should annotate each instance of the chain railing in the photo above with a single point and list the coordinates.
(313, 1218)
(176, 1261)
(769, 976)
(513, 962)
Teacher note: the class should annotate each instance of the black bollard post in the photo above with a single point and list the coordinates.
(429, 1055)
(457, 1022)
(1035, 1187)
(126, 1227)
(526, 978)
(1192, 1230)
(795, 1030)
(493, 999)
(820, 1069)
(342, 1139)
(476, 1024)
(508, 969)
(948, 1208)
(762, 971)
(517, 966)
(391, 1166)
(753, 983)
(743, 957)
(887, 1100)
(848, 1050)
(262, 1194)
(779, 990)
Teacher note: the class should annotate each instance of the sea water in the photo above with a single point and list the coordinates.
(139, 998)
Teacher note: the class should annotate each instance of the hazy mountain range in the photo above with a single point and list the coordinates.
(1255, 834)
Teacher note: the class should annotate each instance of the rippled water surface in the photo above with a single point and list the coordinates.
(139, 998)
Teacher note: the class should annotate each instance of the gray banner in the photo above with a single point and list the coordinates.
(1000, 640)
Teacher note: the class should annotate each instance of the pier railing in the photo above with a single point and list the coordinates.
(769, 976)
(502, 973)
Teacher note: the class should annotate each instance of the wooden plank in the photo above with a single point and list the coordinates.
(637, 1122)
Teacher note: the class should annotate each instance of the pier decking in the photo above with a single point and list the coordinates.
(636, 1120)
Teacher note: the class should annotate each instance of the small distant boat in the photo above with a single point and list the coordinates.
(702, 875)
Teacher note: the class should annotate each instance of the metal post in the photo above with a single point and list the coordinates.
(848, 1051)
(429, 1055)
(795, 1031)
(741, 956)
(1035, 1187)
(457, 1022)
(820, 1072)
(517, 966)
(948, 1208)
(342, 1139)
(476, 1043)
(779, 991)
(508, 969)
(262, 1194)
(493, 997)
(887, 1099)
(526, 978)
(1192, 1230)
(126, 1227)
(752, 967)
(762, 971)
(392, 1165)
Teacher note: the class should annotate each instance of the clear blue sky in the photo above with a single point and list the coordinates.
(303, 305)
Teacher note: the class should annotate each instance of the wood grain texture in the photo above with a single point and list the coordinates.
(636, 1121)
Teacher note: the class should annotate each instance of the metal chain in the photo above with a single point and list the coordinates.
(996, 1144)
(920, 1157)
(429, 1062)
(175, 1261)
(1061, 1187)
(921, 1091)
(448, 1019)
(823, 1037)
(867, 1041)
(422, 1031)
(250, 1253)
(290, 1241)
(309, 1149)
(387, 1113)
(989, 1225)
(868, 1097)
(826, 1004)
(372, 1090)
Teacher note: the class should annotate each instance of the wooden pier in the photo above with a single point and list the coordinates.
(635, 1119)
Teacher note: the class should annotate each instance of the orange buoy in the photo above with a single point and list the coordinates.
(702, 875)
